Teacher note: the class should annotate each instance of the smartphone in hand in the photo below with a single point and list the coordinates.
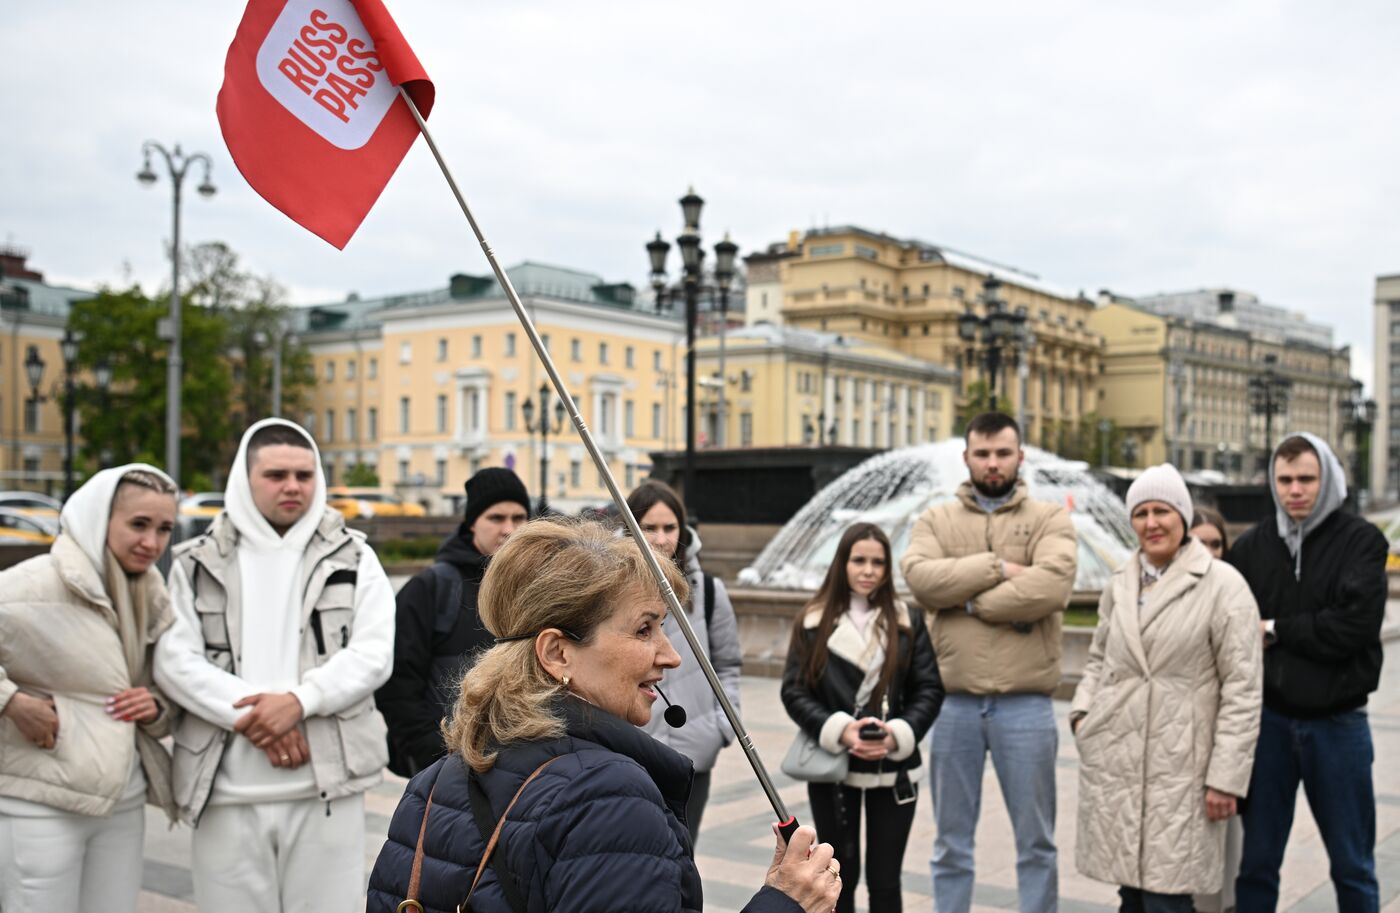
(872, 732)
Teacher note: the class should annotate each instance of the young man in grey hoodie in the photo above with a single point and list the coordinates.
(1318, 575)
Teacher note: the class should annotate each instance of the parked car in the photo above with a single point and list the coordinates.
(371, 502)
(17, 528)
(31, 503)
(197, 511)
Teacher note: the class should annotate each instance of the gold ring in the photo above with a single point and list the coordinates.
(836, 872)
(286, 757)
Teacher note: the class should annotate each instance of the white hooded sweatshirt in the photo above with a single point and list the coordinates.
(271, 581)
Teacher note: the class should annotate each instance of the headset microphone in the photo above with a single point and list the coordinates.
(674, 715)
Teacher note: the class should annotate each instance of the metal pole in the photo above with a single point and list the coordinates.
(175, 365)
(692, 291)
(544, 448)
(786, 821)
(722, 435)
(67, 431)
(277, 380)
(993, 368)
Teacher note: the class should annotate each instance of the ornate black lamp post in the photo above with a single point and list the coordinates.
(997, 329)
(69, 349)
(544, 429)
(1268, 396)
(692, 263)
(102, 377)
(34, 365)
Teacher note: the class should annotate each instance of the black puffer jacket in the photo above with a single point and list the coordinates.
(429, 662)
(824, 709)
(1328, 617)
(600, 829)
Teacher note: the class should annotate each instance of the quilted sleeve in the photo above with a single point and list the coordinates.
(1239, 665)
(939, 581)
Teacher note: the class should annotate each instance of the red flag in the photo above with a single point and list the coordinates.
(310, 108)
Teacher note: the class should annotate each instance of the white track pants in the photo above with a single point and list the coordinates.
(281, 857)
(71, 862)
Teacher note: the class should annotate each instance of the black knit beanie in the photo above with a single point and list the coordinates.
(492, 486)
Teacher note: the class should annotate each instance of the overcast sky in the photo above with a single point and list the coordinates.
(1138, 147)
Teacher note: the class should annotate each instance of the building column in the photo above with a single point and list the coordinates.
(901, 425)
(920, 415)
(872, 413)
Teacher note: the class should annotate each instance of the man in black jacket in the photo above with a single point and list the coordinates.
(438, 629)
(1318, 575)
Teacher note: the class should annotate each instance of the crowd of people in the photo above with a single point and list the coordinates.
(257, 694)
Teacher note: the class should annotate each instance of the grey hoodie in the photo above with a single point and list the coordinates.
(1332, 494)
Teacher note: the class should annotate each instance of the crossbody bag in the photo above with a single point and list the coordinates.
(481, 811)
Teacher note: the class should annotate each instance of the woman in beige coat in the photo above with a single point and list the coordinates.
(1167, 713)
(79, 715)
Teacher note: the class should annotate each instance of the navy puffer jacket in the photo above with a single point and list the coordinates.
(601, 829)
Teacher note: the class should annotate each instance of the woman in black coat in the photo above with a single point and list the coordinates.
(544, 743)
(862, 678)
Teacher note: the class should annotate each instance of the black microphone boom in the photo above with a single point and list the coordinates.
(674, 715)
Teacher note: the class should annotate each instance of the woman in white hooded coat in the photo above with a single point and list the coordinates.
(1166, 716)
(80, 717)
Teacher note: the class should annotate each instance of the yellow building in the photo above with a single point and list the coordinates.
(907, 295)
(1181, 388)
(789, 387)
(33, 315)
(430, 387)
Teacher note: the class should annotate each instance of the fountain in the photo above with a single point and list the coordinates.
(894, 488)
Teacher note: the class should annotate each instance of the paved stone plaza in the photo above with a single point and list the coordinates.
(735, 845)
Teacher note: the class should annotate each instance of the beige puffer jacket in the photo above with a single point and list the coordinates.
(1010, 642)
(58, 637)
(1171, 699)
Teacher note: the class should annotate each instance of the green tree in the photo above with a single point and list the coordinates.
(260, 324)
(975, 401)
(127, 421)
(362, 475)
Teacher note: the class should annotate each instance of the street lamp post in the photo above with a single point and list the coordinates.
(34, 365)
(102, 377)
(998, 329)
(725, 252)
(544, 430)
(1361, 417)
(178, 165)
(1268, 396)
(69, 349)
(692, 262)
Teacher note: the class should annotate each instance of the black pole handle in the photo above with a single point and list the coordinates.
(788, 828)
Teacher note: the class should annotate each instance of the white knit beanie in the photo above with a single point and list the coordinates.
(1162, 483)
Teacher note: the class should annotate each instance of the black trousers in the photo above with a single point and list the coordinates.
(836, 813)
(695, 805)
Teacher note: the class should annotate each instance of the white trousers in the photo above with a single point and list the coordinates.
(71, 862)
(281, 857)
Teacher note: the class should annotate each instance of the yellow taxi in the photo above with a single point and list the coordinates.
(31, 504)
(21, 529)
(371, 502)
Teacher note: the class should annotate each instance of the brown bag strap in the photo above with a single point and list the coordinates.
(496, 834)
(415, 878)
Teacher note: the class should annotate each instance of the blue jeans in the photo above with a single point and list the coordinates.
(1332, 758)
(1020, 733)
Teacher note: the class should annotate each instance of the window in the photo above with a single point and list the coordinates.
(602, 353)
(629, 419)
(545, 341)
(352, 426)
(629, 357)
(373, 368)
(746, 429)
(31, 466)
(440, 471)
(405, 352)
(576, 474)
(510, 410)
(575, 350)
(605, 408)
(31, 415)
(372, 421)
(868, 253)
(442, 348)
(827, 250)
(745, 382)
(403, 415)
(631, 476)
(656, 421)
(403, 470)
(308, 421)
(329, 436)
(350, 369)
(510, 345)
(656, 360)
(329, 470)
(441, 413)
(330, 371)
(476, 346)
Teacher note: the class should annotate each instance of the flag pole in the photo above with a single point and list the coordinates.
(787, 822)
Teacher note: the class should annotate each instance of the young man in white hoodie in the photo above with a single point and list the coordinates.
(284, 628)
